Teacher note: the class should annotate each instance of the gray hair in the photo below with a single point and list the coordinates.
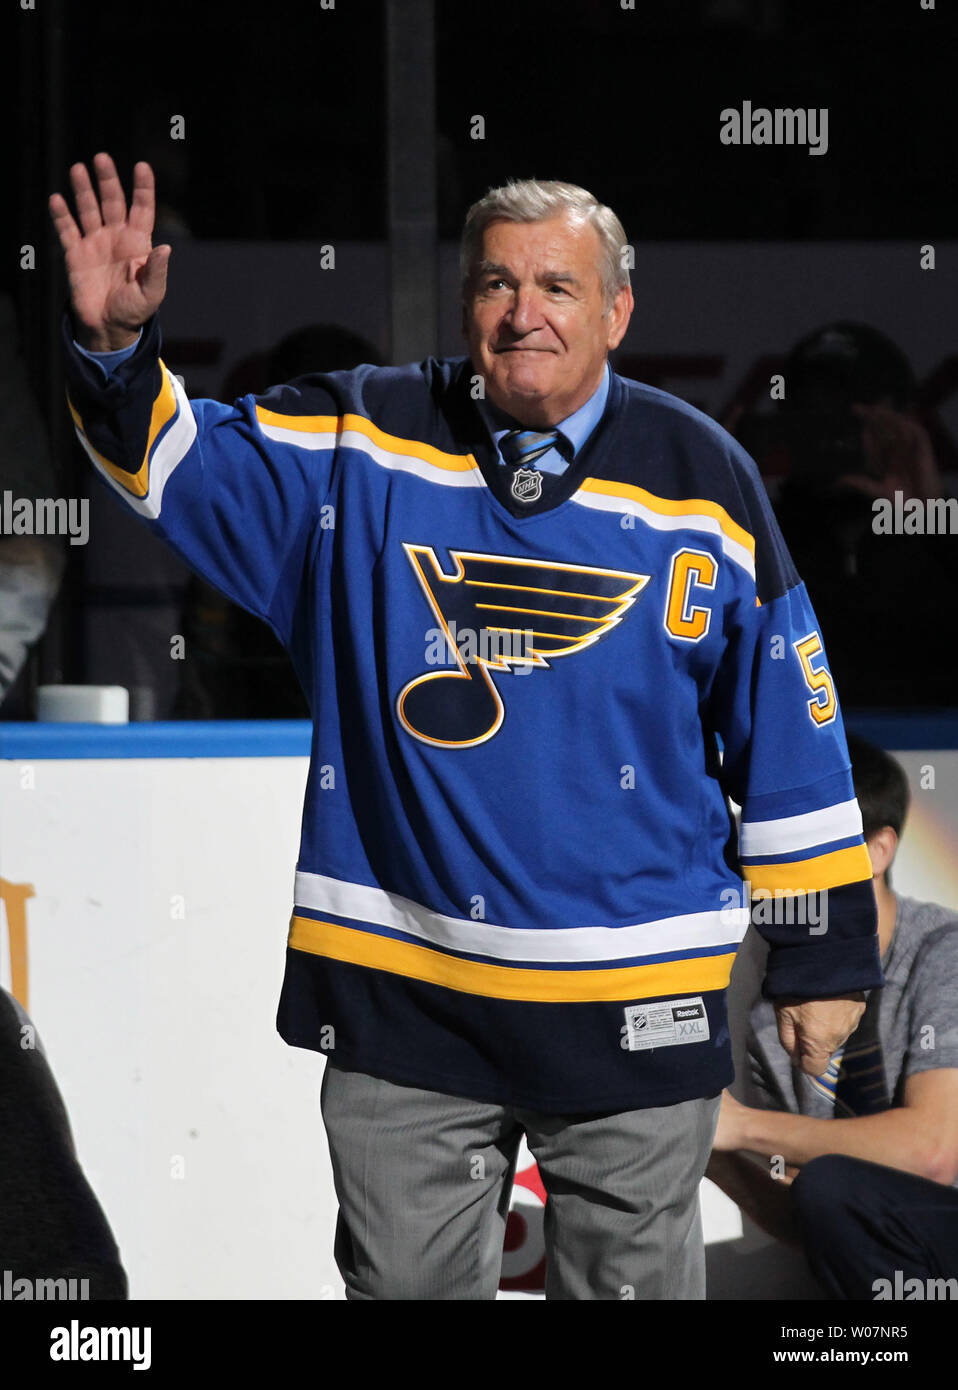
(537, 200)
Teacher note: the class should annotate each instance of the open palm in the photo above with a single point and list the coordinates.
(117, 277)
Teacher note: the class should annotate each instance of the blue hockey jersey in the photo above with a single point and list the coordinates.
(518, 878)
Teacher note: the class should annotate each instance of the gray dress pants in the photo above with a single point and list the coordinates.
(423, 1181)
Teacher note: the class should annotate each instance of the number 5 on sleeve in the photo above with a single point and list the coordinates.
(824, 706)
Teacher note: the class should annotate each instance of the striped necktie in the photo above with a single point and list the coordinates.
(521, 448)
(860, 1084)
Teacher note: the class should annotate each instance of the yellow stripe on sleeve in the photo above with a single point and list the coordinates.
(302, 424)
(358, 424)
(812, 875)
(664, 506)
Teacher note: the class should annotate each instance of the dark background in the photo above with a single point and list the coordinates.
(285, 113)
(285, 110)
(286, 142)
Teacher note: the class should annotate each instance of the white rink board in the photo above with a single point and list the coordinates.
(161, 1030)
(156, 945)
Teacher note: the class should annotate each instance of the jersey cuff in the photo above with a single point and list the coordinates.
(823, 972)
(85, 375)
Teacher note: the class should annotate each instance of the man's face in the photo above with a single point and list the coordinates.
(535, 319)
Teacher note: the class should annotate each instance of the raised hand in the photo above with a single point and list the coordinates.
(117, 276)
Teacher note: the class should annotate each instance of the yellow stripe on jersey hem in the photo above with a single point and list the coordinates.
(664, 506)
(833, 870)
(355, 947)
(164, 409)
(358, 424)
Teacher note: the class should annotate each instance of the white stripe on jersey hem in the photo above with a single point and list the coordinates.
(354, 439)
(171, 450)
(691, 931)
(838, 822)
(693, 522)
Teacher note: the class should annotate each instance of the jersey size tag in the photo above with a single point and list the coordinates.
(668, 1023)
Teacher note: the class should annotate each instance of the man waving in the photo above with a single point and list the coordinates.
(527, 600)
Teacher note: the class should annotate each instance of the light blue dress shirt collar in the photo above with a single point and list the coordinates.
(576, 428)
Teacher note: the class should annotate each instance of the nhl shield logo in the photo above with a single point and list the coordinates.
(527, 485)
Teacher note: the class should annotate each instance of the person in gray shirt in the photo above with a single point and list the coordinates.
(861, 1163)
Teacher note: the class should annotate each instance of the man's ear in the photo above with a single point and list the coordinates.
(619, 316)
(881, 849)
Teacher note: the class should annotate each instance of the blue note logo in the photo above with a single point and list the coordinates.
(533, 611)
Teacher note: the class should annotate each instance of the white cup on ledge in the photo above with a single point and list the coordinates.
(83, 704)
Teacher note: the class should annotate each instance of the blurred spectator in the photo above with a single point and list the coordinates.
(235, 668)
(51, 1225)
(869, 1184)
(31, 567)
(850, 435)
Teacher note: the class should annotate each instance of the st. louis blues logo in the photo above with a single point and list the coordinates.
(525, 612)
(527, 485)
